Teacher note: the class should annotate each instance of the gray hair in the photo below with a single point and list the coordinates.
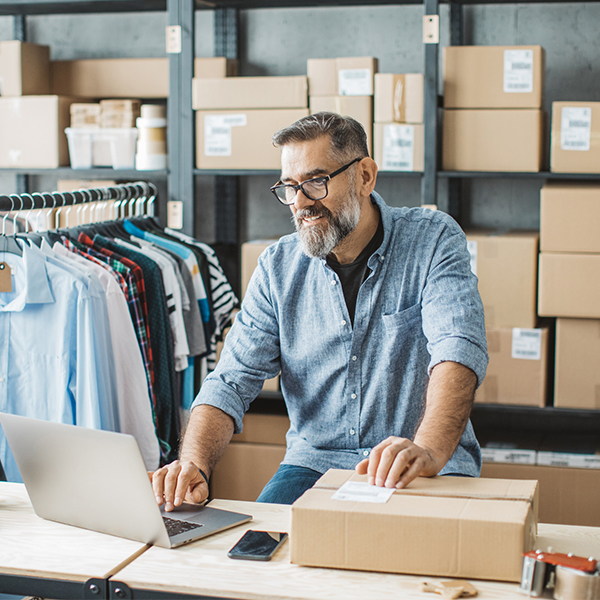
(348, 138)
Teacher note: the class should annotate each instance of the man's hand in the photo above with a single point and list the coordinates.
(396, 461)
(179, 481)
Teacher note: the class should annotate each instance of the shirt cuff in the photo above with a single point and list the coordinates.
(463, 351)
(217, 394)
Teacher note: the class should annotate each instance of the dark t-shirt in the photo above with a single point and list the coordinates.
(353, 274)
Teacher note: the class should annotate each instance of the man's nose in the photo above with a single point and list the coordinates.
(302, 200)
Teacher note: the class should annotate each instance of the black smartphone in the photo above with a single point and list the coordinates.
(258, 545)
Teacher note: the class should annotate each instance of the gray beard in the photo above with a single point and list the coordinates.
(318, 241)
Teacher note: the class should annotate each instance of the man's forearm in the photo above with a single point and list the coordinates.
(208, 432)
(448, 406)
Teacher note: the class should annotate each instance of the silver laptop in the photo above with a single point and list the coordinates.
(97, 480)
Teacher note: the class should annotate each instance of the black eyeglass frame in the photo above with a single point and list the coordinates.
(300, 186)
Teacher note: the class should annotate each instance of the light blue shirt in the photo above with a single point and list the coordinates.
(49, 357)
(348, 388)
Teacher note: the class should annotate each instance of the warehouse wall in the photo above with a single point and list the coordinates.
(278, 42)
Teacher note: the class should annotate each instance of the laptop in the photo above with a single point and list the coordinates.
(97, 480)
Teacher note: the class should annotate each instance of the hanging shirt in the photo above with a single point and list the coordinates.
(49, 361)
(135, 408)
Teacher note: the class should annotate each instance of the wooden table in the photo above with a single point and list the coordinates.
(40, 552)
(43, 558)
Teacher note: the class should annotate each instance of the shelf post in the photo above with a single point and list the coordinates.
(430, 108)
(180, 130)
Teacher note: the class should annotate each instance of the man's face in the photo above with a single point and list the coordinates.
(321, 224)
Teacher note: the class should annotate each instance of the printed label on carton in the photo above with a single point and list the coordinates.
(175, 214)
(518, 71)
(472, 248)
(355, 82)
(217, 133)
(526, 343)
(502, 455)
(565, 459)
(359, 491)
(575, 128)
(398, 147)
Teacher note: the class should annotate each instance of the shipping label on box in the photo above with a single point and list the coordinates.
(233, 145)
(436, 530)
(575, 137)
(506, 266)
(493, 76)
(398, 147)
(341, 76)
(570, 218)
(504, 455)
(566, 459)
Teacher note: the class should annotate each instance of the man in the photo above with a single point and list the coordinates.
(373, 317)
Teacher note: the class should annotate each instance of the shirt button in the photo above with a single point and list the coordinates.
(382, 258)
(343, 323)
(353, 396)
(352, 432)
(354, 357)
(333, 282)
(2, 379)
(365, 453)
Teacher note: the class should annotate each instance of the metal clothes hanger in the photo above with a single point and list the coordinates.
(9, 243)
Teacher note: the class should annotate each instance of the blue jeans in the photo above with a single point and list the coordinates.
(288, 484)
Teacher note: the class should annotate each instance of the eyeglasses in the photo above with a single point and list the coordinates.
(313, 189)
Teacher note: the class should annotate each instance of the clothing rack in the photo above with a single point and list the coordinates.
(125, 195)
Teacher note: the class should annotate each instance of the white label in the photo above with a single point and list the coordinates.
(575, 128)
(175, 214)
(173, 38)
(398, 147)
(518, 71)
(355, 82)
(472, 248)
(217, 133)
(358, 491)
(566, 459)
(526, 343)
(502, 455)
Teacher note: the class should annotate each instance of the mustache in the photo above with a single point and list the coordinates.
(312, 211)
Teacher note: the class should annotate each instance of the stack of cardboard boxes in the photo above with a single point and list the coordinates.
(344, 86)
(236, 117)
(398, 129)
(506, 266)
(569, 289)
(493, 98)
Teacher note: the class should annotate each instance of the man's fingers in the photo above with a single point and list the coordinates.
(375, 458)
(395, 459)
(170, 484)
(362, 467)
(158, 482)
(189, 478)
(413, 471)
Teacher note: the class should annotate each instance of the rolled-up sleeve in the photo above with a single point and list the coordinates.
(453, 317)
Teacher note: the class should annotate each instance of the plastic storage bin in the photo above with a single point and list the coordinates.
(102, 147)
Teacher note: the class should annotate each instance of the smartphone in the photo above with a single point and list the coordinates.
(258, 545)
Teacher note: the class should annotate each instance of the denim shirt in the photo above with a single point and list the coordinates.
(348, 388)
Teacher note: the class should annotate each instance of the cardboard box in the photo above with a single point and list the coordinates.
(357, 107)
(577, 378)
(442, 527)
(506, 266)
(244, 470)
(249, 92)
(518, 369)
(575, 137)
(567, 496)
(398, 98)
(218, 66)
(570, 218)
(33, 132)
(493, 76)
(341, 76)
(241, 139)
(569, 285)
(493, 140)
(263, 429)
(250, 252)
(24, 69)
(399, 147)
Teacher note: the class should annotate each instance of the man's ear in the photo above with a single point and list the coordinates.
(366, 176)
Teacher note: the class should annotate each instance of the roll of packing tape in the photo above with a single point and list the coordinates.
(571, 584)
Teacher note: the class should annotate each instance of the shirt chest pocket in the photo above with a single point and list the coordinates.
(403, 321)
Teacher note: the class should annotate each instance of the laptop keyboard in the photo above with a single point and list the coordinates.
(175, 527)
